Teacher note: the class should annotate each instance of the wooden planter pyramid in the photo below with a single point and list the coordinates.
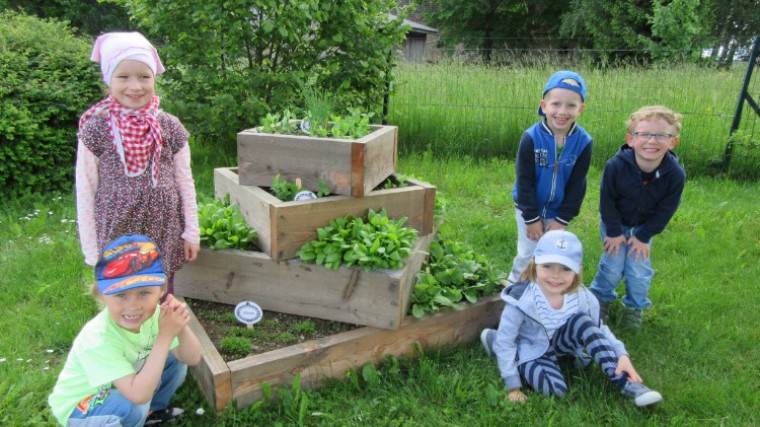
(379, 299)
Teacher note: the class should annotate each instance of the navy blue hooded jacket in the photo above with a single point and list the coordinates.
(547, 187)
(625, 201)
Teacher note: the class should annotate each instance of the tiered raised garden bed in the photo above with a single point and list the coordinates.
(242, 380)
(378, 299)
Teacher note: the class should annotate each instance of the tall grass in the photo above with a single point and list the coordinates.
(698, 345)
(455, 109)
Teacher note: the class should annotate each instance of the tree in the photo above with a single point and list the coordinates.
(680, 29)
(229, 62)
(487, 25)
(90, 17)
(735, 24)
(612, 27)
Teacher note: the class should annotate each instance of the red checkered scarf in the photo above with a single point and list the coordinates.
(135, 134)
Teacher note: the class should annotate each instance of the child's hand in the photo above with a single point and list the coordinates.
(638, 248)
(535, 230)
(613, 244)
(517, 396)
(624, 365)
(174, 316)
(554, 225)
(191, 251)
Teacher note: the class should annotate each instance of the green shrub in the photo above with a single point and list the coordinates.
(47, 83)
(230, 63)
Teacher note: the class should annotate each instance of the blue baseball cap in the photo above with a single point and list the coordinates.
(555, 81)
(560, 247)
(128, 262)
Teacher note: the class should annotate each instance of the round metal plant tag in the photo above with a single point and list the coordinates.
(248, 312)
(304, 195)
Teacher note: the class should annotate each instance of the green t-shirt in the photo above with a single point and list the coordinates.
(102, 353)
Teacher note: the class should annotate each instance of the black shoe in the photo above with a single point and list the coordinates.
(163, 416)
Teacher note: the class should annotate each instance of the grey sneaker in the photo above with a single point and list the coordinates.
(486, 338)
(633, 318)
(640, 394)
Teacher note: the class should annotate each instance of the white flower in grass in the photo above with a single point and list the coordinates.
(50, 212)
(200, 411)
(45, 239)
(2, 360)
(48, 351)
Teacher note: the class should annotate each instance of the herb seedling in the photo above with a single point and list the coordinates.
(286, 190)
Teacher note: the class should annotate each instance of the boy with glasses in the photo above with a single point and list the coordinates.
(640, 191)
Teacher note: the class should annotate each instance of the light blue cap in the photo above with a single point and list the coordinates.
(560, 247)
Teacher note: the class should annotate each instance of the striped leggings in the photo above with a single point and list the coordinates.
(580, 332)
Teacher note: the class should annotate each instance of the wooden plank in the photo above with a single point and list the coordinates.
(379, 157)
(332, 357)
(284, 227)
(261, 156)
(254, 203)
(212, 374)
(378, 298)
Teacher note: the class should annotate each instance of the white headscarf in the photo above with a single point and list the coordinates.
(112, 48)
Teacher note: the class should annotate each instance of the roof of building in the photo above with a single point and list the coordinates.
(416, 27)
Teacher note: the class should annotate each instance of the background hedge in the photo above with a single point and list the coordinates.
(48, 82)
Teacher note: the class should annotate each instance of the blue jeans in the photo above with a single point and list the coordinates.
(525, 247)
(612, 269)
(110, 408)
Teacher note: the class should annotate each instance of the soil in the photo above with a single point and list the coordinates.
(274, 331)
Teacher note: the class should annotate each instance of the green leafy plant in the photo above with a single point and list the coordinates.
(286, 191)
(394, 181)
(354, 125)
(223, 227)
(279, 123)
(377, 243)
(452, 273)
(236, 346)
(304, 327)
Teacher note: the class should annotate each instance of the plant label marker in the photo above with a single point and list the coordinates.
(248, 312)
(302, 196)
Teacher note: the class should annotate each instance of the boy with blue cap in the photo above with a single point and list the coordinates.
(129, 360)
(552, 162)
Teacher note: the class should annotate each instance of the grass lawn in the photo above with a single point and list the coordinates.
(698, 345)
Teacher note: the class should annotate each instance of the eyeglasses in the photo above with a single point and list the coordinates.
(661, 138)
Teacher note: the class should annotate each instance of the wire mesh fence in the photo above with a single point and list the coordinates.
(459, 108)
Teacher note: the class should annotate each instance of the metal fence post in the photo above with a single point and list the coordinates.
(743, 96)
